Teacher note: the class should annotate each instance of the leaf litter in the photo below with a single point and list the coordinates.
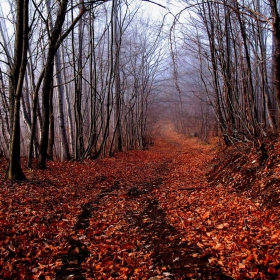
(152, 214)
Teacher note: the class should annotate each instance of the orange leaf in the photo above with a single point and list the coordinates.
(271, 270)
(206, 215)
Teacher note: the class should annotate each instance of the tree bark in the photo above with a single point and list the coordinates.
(116, 46)
(79, 137)
(15, 88)
(276, 50)
(56, 38)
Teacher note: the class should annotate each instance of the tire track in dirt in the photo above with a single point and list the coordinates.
(171, 256)
(78, 252)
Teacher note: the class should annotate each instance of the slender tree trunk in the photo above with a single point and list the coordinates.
(219, 106)
(116, 47)
(16, 82)
(276, 50)
(227, 72)
(61, 119)
(51, 129)
(34, 116)
(56, 38)
(47, 82)
(61, 97)
(79, 137)
(70, 123)
(252, 109)
(269, 116)
(4, 115)
(92, 141)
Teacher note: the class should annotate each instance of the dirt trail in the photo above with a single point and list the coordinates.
(140, 232)
(138, 215)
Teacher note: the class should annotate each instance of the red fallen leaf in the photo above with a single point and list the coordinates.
(274, 237)
(7, 274)
(253, 272)
(124, 270)
(272, 270)
(222, 226)
(98, 266)
(241, 266)
(76, 250)
(202, 228)
(218, 246)
(212, 261)
(206, 215)
(127, 246)
(250, 257)
(184, 223)
(268, 258)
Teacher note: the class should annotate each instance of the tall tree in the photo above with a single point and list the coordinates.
(55, 40)
(78, 73)
(116, 38)
(17, 73)
(61, 95)
(276, 48)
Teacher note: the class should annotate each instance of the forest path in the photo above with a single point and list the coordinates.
(138, 215)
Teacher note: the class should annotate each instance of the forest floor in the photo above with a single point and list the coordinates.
(180, 210)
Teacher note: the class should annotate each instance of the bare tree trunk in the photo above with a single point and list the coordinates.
(61, 96)
(16, 82)
(51, 129)
(79, 139)
(61, 119)
(4, 116)
(34, 115)
(56, 38)
(116, 46)
(92, 140)
(47, 82)
(70, 123)
(269, 116)
(252, 111)
(218, 106)
(276, 50)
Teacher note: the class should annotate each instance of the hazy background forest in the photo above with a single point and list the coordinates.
(90, 78)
